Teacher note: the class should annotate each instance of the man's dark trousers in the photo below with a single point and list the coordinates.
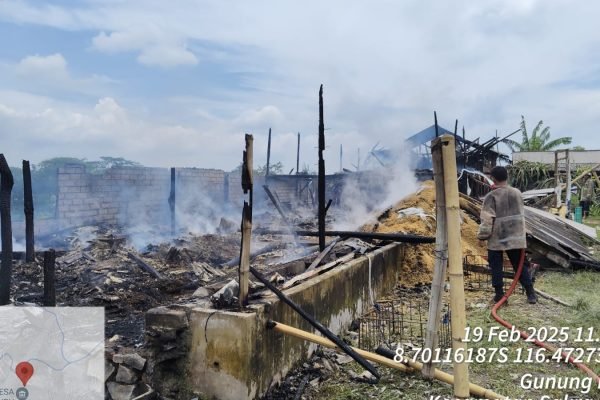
(514, 255)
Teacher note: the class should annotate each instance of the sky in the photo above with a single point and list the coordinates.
(178, 83)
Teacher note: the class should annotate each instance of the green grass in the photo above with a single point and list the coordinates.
(580, 289)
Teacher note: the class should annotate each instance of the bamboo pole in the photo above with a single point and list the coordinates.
(557, 185)
(569, 184)
(441, 257)
(595, 175)
(311, 337)
(408, 366)
(584, 173)
(455, 270)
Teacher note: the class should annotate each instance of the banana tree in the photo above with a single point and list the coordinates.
(539, 140)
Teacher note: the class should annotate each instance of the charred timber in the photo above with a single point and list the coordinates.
(50, 278)
(172, 202)
(393, 237)
(28, 209)
(6, 185)
(321, 200)
(144, 265)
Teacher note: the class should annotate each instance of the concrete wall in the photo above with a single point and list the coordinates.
(232, 356)
(547, 157)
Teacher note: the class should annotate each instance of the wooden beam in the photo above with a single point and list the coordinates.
(322, 255)
(317, 271)
(276, 204)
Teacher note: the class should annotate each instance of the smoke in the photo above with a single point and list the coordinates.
(366, 194)
(199, 209)
(18, 245)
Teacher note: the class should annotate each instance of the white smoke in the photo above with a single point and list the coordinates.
(366, 196)
(18, 245)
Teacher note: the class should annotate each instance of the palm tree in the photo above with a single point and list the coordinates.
(538, 141)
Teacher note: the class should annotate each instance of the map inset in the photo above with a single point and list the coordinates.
(51, 353)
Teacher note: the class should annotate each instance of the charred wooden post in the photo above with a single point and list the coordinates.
(321, 173)
(437, 133)
(298, 156)
(244, 269)
(28, 208)
(464, 148)
(341, 158)
(298, 168)
(172, 201)
(277, 205)
(6, 185)
(268, 154)
(49, 278)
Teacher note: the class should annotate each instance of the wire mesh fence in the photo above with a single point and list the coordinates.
(401, 321)
(405, 320)
(477, 273)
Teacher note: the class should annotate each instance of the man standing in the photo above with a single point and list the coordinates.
(587, 195)
(503, 226)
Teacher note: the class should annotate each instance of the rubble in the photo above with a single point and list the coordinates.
(126, 375)
(119, 391)
(133, 360)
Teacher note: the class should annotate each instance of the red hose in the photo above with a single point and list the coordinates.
(524, 335)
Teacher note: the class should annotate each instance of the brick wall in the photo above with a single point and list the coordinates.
(115, 196)
(134, 196)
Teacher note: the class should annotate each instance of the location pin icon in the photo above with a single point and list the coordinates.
(24, 371)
